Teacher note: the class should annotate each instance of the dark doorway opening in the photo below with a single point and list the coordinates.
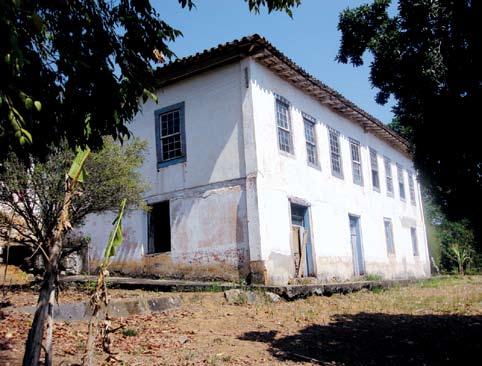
(159, 228)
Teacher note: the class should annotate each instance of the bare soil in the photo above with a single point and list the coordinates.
(434, 322)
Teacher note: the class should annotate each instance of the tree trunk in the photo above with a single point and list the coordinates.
(35, 335)
(50, 330)
(88, 359)
(54, 248)
(100, 293)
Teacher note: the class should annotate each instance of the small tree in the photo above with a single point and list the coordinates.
(44, 201)
(457, 245)
(32, 195)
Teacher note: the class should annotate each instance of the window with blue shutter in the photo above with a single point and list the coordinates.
(170, 135)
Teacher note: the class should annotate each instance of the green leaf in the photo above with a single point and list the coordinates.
(22, 140)
(149, 94)
(26, 136)
(116, 237)
(76, 171)
(15, 117)
(38, 105)
(28, 103)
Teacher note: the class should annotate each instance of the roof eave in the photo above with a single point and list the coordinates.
(267, 55)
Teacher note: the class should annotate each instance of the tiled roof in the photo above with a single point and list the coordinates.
(266, 54)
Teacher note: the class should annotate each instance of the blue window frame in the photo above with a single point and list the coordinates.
(170, 135)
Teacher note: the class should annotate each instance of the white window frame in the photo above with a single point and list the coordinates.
(280, 129)
(401, 183)
(334, 139)
(374, 169)
(311, 122)
(356, 162)
(413, 234)
(388, 176)
(389, 239)
(411, 188)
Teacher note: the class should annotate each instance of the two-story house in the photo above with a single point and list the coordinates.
(258, 170)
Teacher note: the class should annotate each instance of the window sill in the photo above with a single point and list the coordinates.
(314, 166)
(156, 254)
(287, 154)
(163, 164)
(339, 176)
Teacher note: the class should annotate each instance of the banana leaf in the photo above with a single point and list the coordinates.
(115, 237)
(77, 172)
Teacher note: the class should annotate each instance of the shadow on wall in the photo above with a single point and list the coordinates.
(381, 339)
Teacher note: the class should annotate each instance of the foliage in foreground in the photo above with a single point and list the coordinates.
(451, 243)
(427, 55)
(75, 70)
(32, 194)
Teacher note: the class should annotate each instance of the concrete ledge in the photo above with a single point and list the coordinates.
(289, 292)
(292, 292)
(154, 284)
(115, 309)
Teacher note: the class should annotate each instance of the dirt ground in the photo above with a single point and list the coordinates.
(434, 322)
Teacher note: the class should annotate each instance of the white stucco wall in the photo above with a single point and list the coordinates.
(214, 136)
(209, 233)
(281, 176)
(229, 201)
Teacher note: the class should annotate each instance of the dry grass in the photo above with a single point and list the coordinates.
(14, 275)
(438, 321)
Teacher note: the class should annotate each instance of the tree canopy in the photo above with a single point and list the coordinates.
(32, 196)
(427, 56)
(75, 70)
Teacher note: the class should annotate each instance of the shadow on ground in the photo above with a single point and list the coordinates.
(381, 339)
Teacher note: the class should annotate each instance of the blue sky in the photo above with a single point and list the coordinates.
(310, 38)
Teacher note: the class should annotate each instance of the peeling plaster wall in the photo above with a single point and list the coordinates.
(281, 176)
(207, 192)
(208, 237)
(214, 135)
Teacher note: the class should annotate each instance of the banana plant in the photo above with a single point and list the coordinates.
(100, 297)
